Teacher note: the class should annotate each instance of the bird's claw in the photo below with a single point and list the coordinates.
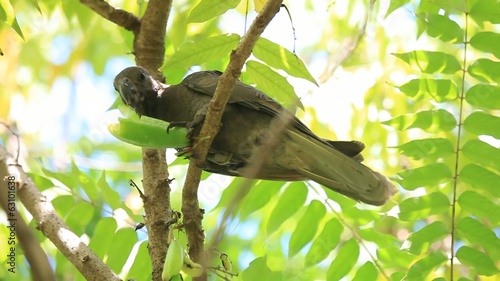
(183, 124)
(185, 152)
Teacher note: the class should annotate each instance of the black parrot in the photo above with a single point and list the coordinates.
(246, 123)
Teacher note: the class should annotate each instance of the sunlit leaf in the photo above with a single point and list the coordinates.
(431, 62)
(273, 84)
(207, 49)
(63, 204)
(393, 256)
(484, 95)
(482, 153)
(481, 123)
(258, 270)
(307, 227)
(427, 148)
(259, 4)
(422, 239)
(148, 132)
(258, 196)
(104, 232)
(481, 262)
(366, 272)
(208, 9)
(277, 56)
(479, 206)
(344, 260)
(423, 267)
(141, 268)
(440, 90)
(425, 176)
(477, 233)
(7, 14)
(292, 199)
(120, 248)
(486, 42)
(431, 121)
(479, 177)
(442, 27)
(395, 4)
(485, 70)
(79, 217)
(417, 208)
(486, 10)
(325, 242)
(88, 185)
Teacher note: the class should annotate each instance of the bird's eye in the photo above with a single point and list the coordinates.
(142, 76)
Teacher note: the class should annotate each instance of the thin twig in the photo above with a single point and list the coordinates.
(210, 128)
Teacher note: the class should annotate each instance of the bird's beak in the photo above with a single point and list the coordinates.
(128, 92)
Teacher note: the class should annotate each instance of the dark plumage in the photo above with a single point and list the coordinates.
(246, 122)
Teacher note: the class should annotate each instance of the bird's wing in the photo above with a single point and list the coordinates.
(242, 94)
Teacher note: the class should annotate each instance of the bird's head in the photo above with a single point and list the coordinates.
(135, 84)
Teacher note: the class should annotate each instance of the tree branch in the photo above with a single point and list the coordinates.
(190, 205)
(119, 17)
(149, 50)
(51, 225)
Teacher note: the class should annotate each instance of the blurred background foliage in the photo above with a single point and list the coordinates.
(416, 81)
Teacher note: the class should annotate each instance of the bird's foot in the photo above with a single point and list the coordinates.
(185, 152)
(182, 124)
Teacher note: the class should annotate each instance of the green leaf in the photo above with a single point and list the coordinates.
(7, 14)
(120, 248)
(79, 217)
(481, 123)
(442, 27)
(417, 208)
(207, 49)
(208, 9)
(486, 42)
(425, 176)
(109, 195)
(479, 177)
(479, 206)
(486, 10)
(440, 90)
(344, 261)
(432, 121)
(477, 233)
(41, 182)
(431, 62)
(63, 204)
(485, 70)
(366, 272)
(148, 132)
(422, 239)
(258, 270)
(427, 148)
(273, 84)
(292, 199)
(423, 267)
(484, 95)
(258, 196)
(395, 4)
(278, 57)
(141, 268)
(481, 262)
(86, 183)
(306, 228)
(325, 242)
(482, 153)
(103, 236)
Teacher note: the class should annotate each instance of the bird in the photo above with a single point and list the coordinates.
(247, 121)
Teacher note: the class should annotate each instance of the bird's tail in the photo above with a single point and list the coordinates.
(341, 173)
